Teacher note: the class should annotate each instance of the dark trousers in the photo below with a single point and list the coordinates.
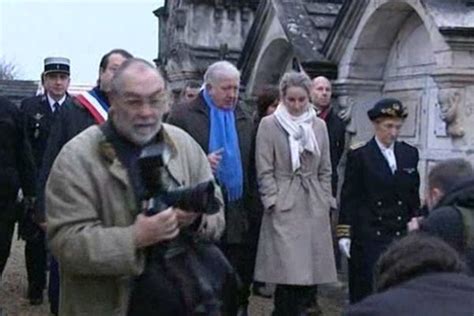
(292, 300)
(364, 255)
(53, 286)
(242, 258)
(334, 216)
(35, 258)
(6, 234)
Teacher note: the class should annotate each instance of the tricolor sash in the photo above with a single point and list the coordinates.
(96, 107)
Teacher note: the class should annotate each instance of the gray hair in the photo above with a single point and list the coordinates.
(116, 84)
(295, 79)
(219, 69)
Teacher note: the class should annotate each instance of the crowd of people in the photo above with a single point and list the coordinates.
(145, 205)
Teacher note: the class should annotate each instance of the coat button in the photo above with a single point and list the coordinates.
(380, 218)
(399, 218)
(400, 202)
(397, 233)
(378, 233)
(379, 203)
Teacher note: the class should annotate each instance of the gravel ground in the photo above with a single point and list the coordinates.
(14, 303)
(13, 286)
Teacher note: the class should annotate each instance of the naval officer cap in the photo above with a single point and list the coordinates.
(56, 64)
(388, 108)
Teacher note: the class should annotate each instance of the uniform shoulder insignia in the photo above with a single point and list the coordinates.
(357, 145)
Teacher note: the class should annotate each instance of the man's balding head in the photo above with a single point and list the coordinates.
(139, 100)
(321, 92)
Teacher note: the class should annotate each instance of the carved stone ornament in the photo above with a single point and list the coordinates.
(346, 104)
(450, 106)
(180, 18)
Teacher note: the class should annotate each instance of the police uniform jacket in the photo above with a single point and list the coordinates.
(39, 119)
(376, 204)
(71, 119)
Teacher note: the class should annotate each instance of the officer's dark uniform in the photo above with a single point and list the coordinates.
(376, 204)
(39, 120)
(17, 170)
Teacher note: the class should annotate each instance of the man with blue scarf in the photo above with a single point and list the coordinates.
(225, 133)
(83, 111)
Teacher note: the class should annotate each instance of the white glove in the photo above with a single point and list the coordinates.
(345, 246)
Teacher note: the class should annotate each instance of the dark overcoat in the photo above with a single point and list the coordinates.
(194, 119)
(337, 134)
(17, 168)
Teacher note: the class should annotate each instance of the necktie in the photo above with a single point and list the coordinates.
(56, 107)
(391, 160)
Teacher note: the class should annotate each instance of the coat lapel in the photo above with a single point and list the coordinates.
(119, 172)
(380, 163)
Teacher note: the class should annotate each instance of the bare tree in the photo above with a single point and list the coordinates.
(8, 70)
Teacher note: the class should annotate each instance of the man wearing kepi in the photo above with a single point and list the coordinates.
(379, 196)
(95, 228)
(222, 129)
(40, 112)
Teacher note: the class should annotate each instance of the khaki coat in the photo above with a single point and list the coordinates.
(295, 244)
(90, 211)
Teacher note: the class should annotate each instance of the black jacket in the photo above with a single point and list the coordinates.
(17, 168)
(337, 134)
(71, 119)
(445, 220)
(194, 119)
(438, 294)
(376, 204)
(39, 120)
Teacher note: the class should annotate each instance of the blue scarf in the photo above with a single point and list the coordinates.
(223, 135)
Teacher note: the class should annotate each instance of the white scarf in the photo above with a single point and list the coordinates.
(300, 132)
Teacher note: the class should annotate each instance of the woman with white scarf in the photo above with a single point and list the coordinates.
(294, 176)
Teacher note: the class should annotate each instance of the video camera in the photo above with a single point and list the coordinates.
(183, 276)
(152, 164)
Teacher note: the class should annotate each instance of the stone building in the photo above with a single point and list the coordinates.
(420, 51)
(195, 33)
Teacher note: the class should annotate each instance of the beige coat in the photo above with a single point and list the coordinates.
(90, 211)
(295, 245)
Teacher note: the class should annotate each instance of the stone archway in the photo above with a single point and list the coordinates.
(274, 61)
(391, 54)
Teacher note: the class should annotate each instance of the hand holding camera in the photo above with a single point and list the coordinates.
(149, 230)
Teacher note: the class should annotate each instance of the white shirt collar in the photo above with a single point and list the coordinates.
(382, 147)
(51, 101)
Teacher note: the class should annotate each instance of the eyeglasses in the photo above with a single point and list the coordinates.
(156, 101)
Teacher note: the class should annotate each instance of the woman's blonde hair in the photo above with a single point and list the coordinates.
(295, 79)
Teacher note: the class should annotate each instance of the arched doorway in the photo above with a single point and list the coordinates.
(274, 62)
(392, 56)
